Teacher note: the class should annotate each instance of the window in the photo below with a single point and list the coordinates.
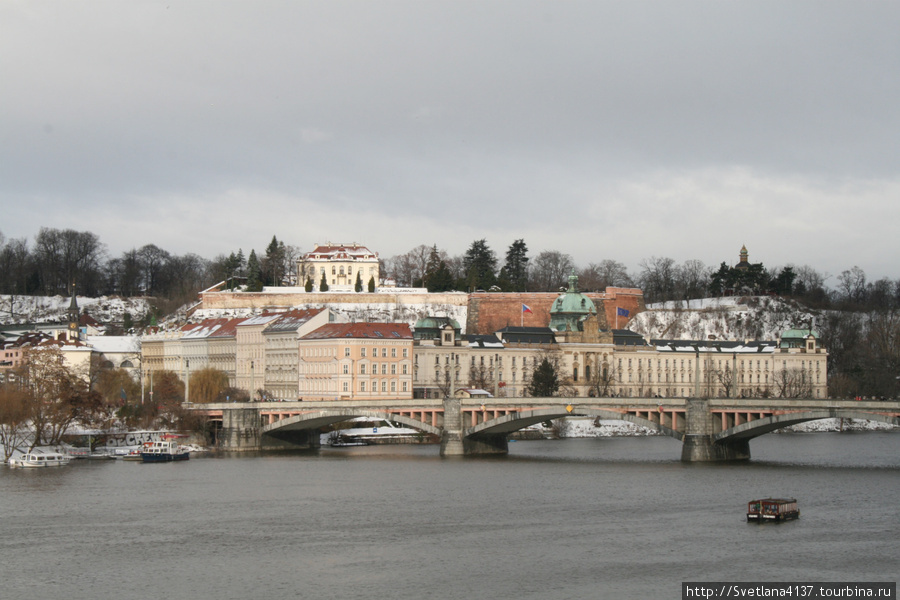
(362, 351)
(406, 353)
(393, 369)
(405, 386)
(362, 386)
(347, 351)
(384, 386)
(393, 386)
(393, 353)
(384, 368)
(362, 369)
(346, 369)
(346, 386)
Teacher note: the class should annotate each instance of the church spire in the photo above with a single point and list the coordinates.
(74, 331)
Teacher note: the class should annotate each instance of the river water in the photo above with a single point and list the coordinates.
(568, 519)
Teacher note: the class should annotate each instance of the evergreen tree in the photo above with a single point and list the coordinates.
(784, 283)
(358, 286)
(309, 284)
(254, 273)
(516, 267)
(274, 270)
(371, 287)
(240, 262)
(544, 380)
(480, 265)
(503, 281)
(323, 285)
(752, 279)
(438, 277)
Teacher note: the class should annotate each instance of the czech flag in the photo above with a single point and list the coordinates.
(525, 309)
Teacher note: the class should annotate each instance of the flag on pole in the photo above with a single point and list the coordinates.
(620, 312)
(525, 309)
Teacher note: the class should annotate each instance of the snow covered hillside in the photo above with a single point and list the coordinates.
(734, 318)
(52, 309)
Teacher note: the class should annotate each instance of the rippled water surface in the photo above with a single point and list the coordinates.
(587, 518)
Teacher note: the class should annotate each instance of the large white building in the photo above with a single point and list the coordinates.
(342, 265)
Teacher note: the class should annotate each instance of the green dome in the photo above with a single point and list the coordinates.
(571, 308)
(436, 323)
(429, 328)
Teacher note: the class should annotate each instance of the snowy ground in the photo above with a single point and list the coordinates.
(585, 428)
(733, 318)
(359, 313)
(52, 309)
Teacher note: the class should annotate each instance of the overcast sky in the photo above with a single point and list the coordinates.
(605, 130)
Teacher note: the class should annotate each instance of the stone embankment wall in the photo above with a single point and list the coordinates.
(491, 312)
(478, 313)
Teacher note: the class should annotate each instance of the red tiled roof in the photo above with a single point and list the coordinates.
(385, 331)
(228, 329)
(293, 319)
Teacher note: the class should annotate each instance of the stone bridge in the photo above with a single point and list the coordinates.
(710, 429)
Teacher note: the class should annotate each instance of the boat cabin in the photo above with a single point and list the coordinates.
(772, 509)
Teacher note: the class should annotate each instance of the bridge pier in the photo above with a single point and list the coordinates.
(701, 448)
(698, 444)
(240, 429)
(454, 442)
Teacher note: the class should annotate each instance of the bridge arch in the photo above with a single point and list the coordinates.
(324, 418)
(758, 427)
(515, 421)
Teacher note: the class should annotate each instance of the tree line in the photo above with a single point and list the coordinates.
(860, 323)
(41, 399)
(56, 258)
(661, 279)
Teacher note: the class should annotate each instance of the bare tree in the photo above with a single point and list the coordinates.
(793, 383)
(550, 271)
(290, 256)
(603, 380)
(13, 418)
(657, 278)
(691, 280)
(417, 259)
(481, 377)
(852, 284)
(64, 256)
(56, 397)
(606, 273)
(153, 260)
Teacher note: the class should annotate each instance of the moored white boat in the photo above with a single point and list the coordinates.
(39, 459)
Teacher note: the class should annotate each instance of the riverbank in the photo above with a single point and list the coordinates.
(590, 428)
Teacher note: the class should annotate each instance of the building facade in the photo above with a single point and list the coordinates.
(341, 265)
(357, 361)
(282, 350)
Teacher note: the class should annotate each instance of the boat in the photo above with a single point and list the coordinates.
(39, 459)
(772, 510)
(163, 451)
(367, 431)
(134, 454)
(342, 442)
